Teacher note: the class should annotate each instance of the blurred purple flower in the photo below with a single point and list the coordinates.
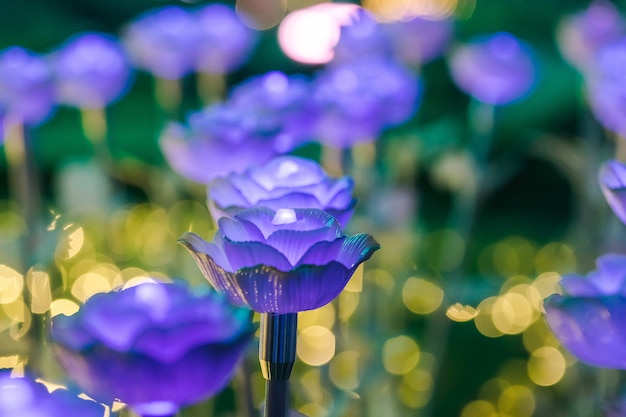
(284, 182)
(418, 41)
(153, 346)
(612, 178)
(281, 100)
(219, 140)
(281, 261)
(91, 71)
(412, 42)
(496, 69)
(581, 35)
(163, 42)
(26, 89)
(588, 319)
(606, 86)
(24, 397)
(224, 41)
(362, 38)
(358, 99)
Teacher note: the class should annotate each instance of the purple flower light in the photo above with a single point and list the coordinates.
(358, 99)
(362, 38)
(589, 318)
(612, 178)
(496, 69)
(581, 35)
(26, 398)
(281, 261)
(217, 141)
(606, 86)
(418, 41)
(224, 41)
(163, 42)
(281, 100)
(152, 346)
(284, 182)
(91, 71)
(26, 89)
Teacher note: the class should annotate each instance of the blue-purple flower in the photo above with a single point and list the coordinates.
(589, 318)
(280, 100)
(91, 70)
(284, 182)
(496, 69)
(419, 40)
(163, 42)
(152, 346)
(217, 141)
(358, 99)
(612, 178)
(25, 397)
(281, 261)
(582, 35)
(224, 41)
(26, 89)
(606, 86)
(363, 37)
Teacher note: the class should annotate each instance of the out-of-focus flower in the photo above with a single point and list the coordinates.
(163, 42)
(361, 38)
(155, 346)
(606, 86)
(224, 41)
(281, 261)
(589, 317)
(280, 100)
(24, 397)
(418, 41)
(91, 70)
(496, 69)
(284, 182)
(26, 89)
(358, 99)
(612, 178)
(581, 35)
(217, 141)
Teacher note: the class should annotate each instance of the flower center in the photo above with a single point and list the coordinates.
(284, 216)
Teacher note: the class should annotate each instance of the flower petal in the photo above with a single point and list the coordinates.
(196, 245)
(250, 254)
(266, 289)
(590, 328)
(295, 243)
(239, 231)
(349, 251)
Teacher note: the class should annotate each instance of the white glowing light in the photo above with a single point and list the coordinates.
(286, 169)
(310, 35)
(284, 216)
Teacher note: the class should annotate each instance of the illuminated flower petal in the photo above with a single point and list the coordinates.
(284, 182)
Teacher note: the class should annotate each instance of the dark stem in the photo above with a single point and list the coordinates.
(276, 398)
(277, 354)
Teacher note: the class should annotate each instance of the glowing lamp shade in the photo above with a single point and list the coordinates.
(310, 35)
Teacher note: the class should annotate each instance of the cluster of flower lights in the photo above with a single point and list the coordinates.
(280, 247)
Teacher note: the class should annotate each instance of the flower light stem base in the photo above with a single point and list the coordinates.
(277, 354)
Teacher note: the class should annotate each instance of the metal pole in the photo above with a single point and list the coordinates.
(277, 354)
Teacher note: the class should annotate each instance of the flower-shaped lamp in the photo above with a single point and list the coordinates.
(496, 69)
(156, 347)
(91, 70)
